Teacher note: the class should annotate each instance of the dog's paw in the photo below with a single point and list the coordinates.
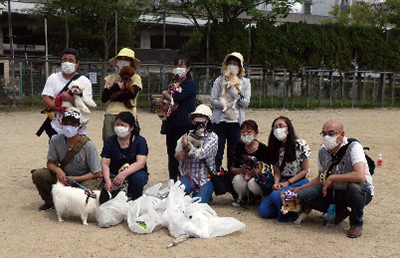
(85, 223)
(60, 220)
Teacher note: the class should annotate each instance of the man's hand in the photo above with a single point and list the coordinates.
(296, 189)
(65, 96)
(328, 184)
(62, 177)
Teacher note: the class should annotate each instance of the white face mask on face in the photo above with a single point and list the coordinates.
(121, 131)
(70, 131)
(180, 71)
(330, 141)
(233, 68)
(247, 139)
(280, 133)
(122, 63)
(68, 68)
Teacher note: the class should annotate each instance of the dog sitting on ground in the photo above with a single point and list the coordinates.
(72, 201)
(195, 141)
(231, 81)
(82, 102)
(292, 203)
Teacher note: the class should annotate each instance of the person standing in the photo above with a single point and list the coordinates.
(56, 85)
(115, 93)
(226, 127)
(178, 123)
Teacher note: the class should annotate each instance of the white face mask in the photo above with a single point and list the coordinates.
(180, 71)
(122, 63)
(329, 141)
(280, 133)
(233, 68)
(70, 131)
(247, 139)
(121, 131)
(68, 68)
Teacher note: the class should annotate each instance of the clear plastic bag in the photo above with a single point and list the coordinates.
(142, 217)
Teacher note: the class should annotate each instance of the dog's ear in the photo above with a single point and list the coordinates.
(104, 196)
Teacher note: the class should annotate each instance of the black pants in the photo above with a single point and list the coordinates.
(173, 135)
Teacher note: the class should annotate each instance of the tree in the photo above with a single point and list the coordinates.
(89, 25)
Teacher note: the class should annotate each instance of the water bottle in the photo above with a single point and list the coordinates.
(379, 162)
(330, 216)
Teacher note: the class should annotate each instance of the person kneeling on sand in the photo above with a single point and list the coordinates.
(71, 158)
(347, 184)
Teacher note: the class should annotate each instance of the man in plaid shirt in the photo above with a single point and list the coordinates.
(199, 161)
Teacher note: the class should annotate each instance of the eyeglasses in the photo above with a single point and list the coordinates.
(330, 133)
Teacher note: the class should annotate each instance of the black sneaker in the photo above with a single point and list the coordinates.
(46, 206)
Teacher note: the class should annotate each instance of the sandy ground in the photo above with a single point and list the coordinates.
(26, 232)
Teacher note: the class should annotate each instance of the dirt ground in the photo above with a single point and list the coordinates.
(26, 232)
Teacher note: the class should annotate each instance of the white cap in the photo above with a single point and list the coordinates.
(201, 110)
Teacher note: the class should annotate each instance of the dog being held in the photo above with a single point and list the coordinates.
(195, 141)
(292, 203)
(73, 201)
(167, 101)
(82, 102)
(231, 82)
(127, 91)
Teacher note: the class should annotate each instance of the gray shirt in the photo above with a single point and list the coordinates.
(85, 161)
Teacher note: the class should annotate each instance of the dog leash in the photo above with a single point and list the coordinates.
(88, 192)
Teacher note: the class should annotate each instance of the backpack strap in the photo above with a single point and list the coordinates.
(339, 155)
(77, 147)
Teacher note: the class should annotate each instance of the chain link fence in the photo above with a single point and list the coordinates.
(279, 88)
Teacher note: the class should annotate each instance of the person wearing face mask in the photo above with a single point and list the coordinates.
(114, 84)
(290, 157)
(244, 182)
(83, 167)
(227, 128)
(56, 86)
(124, 157)
(201, 160)
(178, 123)
(350, 182)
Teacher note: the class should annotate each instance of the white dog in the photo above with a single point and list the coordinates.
(195, 141)
(82, 102)
(231, 81)
(72, 201)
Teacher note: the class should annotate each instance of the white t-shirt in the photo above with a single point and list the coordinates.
(54, 85)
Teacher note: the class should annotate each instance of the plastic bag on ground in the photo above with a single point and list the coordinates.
(113, 211)
(142, 217)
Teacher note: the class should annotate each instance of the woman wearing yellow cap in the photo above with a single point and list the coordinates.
(121, 94)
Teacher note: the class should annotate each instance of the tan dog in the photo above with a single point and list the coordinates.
(231, 81)
(293, 204)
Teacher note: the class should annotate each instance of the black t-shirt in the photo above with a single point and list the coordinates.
(119, 157)
(261, 154)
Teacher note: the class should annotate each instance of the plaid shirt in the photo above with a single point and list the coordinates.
(195, 166)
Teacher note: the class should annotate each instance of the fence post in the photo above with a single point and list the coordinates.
(308, 89)
(320, 89)
(284, 90)
(262, 87)
(353, 88)
(392, 88)
(331, 89)
(383, 90)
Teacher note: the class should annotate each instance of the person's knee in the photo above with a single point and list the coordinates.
(38, 175)
(354, 188)
(254, 187)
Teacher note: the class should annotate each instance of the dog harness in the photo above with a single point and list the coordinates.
(89, 193)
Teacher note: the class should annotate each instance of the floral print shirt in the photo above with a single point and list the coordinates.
(303, 152)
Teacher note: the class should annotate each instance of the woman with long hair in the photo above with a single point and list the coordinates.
(290, 157)
(124, 156)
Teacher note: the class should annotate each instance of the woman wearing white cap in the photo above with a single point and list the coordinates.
(226, 127)
(124, 101)
(201, 160)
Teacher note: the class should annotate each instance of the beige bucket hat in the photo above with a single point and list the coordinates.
(203, 110)
(238, 56)
(127, 53)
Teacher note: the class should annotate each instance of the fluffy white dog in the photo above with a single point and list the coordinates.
(82, 102)
(231, 81)
(71, 201)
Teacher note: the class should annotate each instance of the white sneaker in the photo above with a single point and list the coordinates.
(237, 203)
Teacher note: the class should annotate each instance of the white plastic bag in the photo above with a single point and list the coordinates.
(142, 217)
(113, 211)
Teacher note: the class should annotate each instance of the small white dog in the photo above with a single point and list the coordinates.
(195, 141)
(71, 201)
(231, 81)
(82, 102)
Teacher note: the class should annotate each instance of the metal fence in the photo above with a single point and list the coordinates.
(308, 88)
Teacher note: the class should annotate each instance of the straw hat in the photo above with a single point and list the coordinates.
(203, 110)
(238, 56)
(126, 52)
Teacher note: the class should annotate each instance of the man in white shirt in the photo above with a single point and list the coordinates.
(349, 183)
(56, 83)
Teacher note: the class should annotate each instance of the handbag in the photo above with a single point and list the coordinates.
(265, 179)
(222, 180)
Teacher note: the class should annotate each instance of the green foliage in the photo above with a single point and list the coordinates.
(192, 48)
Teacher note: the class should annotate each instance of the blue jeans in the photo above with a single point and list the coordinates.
(136, 183)
(356, 196)
(229, 133)
(271, 205)
(205, 192)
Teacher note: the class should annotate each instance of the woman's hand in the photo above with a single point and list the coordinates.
(276, 186)
(182, 155)
(244, 170)
(108, 185)
(121, 84)
(284, 184)
(119, 180)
